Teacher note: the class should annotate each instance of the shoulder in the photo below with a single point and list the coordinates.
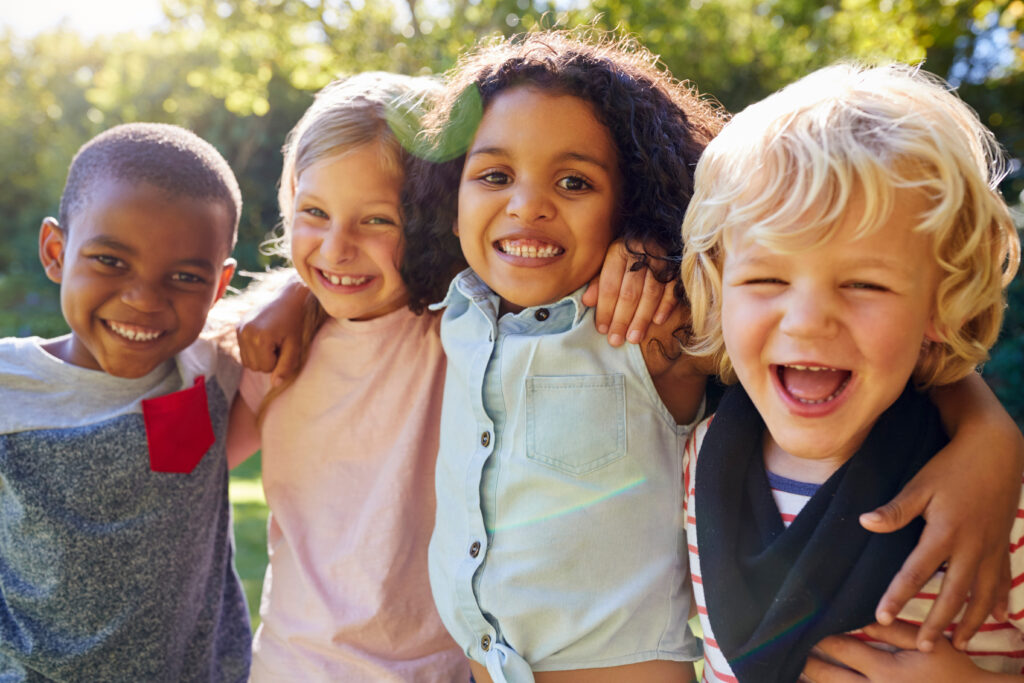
(208, 358)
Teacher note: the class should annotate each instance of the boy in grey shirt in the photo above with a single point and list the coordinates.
(116, 551)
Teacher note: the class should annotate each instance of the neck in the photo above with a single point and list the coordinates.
(809, 470)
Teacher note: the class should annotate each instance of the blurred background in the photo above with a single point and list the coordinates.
(240, 74)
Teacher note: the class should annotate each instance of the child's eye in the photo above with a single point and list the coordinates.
(381, 220)
(870, 286)
(189, 278)
(764, 281)
(495, 178)
(109, 261)
(574, 183)
(315, 212)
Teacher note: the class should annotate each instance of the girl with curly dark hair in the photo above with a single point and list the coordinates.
(554, 556)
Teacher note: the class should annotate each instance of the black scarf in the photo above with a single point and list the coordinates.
(773, 592)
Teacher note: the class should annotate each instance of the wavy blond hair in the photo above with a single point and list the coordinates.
(784, 171)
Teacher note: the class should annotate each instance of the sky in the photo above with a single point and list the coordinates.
(87, 17)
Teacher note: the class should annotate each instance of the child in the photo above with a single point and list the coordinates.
(346, 594)
(557, 467)
(845, 239)
(115, 527)
(557, 478)
(349, 599)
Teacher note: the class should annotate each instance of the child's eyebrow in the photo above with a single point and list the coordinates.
(117, 245)
(564, 156)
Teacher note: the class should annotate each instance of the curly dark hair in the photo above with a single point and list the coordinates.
(660, 127)
(172, 158)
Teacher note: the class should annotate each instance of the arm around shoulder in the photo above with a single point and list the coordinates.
(679, 378)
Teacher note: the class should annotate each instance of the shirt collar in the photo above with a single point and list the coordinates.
(467, 286)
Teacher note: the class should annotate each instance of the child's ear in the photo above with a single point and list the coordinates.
(225, 277)
(52, 241)
(455, 228)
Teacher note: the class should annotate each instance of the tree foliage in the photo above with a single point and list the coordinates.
(240, 73)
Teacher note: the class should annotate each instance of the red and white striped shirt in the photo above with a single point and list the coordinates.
(998, 646)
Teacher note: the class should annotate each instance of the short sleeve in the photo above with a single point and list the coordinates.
(253, 387)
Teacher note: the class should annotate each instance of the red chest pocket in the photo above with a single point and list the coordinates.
(178, 429)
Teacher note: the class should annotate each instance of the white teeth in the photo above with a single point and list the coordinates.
(345, 279)
(529, 251)
(132, 334)
(812, 368)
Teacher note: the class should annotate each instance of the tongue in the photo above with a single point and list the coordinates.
(812, 385)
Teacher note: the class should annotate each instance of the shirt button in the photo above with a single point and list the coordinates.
(485, 643)
(541, 314)
(474, 549)
(485, 439)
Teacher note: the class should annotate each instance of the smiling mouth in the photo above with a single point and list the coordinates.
(813, 384)
(529, 248)
(344, 280)
(135, 333)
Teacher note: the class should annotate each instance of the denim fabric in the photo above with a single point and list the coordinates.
(558, 542)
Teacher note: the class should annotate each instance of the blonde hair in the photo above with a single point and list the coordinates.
(370, 108)
(784, 172)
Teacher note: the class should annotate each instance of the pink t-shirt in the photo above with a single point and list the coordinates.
(348, 471)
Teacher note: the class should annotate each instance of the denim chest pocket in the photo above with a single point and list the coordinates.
(576, 424)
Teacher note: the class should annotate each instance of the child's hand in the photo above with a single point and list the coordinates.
(906, 665)
(271, 339)
(968, 494)
(627, 300)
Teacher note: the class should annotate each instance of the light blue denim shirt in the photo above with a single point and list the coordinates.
(558, 542)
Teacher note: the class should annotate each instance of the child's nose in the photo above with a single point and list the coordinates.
(340, 243)
(808, 312)
(529, 203)
(144, 296)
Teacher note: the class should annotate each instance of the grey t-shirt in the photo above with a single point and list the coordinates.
(110, 571)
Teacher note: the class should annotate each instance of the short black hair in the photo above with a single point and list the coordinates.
(169, 157)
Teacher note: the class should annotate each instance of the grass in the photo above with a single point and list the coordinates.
(250, 514)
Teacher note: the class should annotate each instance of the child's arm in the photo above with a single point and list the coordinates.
(679, 378)
(627, 297)
(906, 665)
(243, 433)
(270, 340)
(968, 495)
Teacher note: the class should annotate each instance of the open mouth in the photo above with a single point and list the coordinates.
(529, 248)
(812, 384)
(344, 280)
(135, 333)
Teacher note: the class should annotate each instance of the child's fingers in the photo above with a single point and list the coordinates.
(256, 350)
(898, 634)
(608, 288)
(667, 304)
(823, 666)
(589, 297)
(931, 551)
(956, 583)
(650, 299)
(287, 361)
(819, 671)
(987, 585)
(627, 299)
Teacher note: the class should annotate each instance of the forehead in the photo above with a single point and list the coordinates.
(146, 216)
(528, 117)
(892, 216)
(354, 171)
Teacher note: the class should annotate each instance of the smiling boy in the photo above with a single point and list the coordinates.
(845, 249)
(115, 532)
